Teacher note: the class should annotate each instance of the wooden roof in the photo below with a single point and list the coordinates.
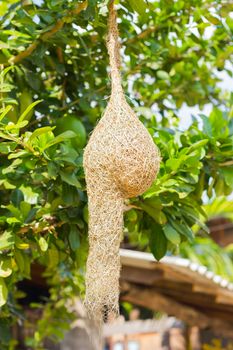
(179, 288)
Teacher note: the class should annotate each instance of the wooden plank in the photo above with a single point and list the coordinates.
(171, 274)
(141, 276)
(200, 288)
(219, 314)
(190, 297)
(178, 271)
(153, 300)
(182, 287)
(210, 307)
(224, 298)
(226, 316)
(183, 293)
(185, 273)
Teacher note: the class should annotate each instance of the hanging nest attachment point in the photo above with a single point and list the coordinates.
(120, 161)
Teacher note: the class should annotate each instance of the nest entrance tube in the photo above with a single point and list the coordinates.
(120, 161)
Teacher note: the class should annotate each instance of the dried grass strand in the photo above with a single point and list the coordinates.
(120, 161)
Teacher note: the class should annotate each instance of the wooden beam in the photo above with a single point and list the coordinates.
(186, 297)
(141, 275)
(153, 300)
(222, 296)
(226, 316)
(149, 298)
(200, 288)
(225, 298)
(196, 299)
(183, 287)
(175, 275)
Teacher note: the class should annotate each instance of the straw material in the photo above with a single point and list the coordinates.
(120, 161)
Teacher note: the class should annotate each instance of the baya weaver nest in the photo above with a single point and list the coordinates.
(120, 161)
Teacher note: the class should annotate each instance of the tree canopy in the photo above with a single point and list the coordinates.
(54, 86)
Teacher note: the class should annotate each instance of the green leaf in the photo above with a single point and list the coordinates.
(173, 163)
(5, 268)
(12, 166)
(29, 195)
(18, 125)
(131, 215)
(5, 71)
(70, 178)
(19, 258)
(171, 234)
(6, 110)
(228, 175)
(198, 144)
(158, 242)
(60, 138)
(7, 147)
(139, 6)
(53, 257)
(6, 240)
(3, 292)
(184, 230)
(207, 128)
(25, 209)
(214, 20)
(161, 74)
(43, 244)
(229, 22)
(23, 261)
(13, 210)
(20, 244)
(156, 214)
(74, 239)
(17, 197)
(154, 202)
(27, 110)
(18, 154)
(9, 101)
(40, 131)
(6, 136)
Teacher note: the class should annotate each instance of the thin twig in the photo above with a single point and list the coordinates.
(36, 121)
(73, 103)
(144, 34)
(229, 162)
(131, 206)
(37, 229)
(43, 37)
(69, 105)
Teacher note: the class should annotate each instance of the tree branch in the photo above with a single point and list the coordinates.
(58, 25)
(145, 33)
(228, 163)
(37, 229)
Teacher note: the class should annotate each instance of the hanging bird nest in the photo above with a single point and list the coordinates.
(120, 161)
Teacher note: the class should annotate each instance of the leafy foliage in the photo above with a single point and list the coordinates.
(191, 165)
(55, 66)
(219, 207)
(206, 252)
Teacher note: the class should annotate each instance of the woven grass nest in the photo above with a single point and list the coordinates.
(120, 161)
